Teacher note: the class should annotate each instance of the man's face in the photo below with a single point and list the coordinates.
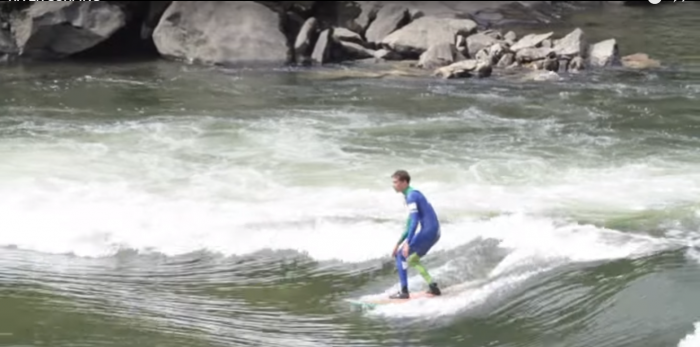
(399, 185)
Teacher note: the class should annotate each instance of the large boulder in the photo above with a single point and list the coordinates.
(415, 38)
(59, 29)
(388, 19)
(225, 32)
(530, 41)
(604, 53)
(440, 55)
(571, 45)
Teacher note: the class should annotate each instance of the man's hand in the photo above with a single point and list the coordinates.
(393, 253)
(405, 250)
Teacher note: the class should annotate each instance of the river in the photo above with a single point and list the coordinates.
(159, 204)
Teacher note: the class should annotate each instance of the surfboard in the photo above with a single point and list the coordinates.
(374, 301)
(370, 303)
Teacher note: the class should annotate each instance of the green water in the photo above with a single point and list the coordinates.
(158, 204)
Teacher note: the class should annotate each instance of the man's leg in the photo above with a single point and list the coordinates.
(401, 266)
(414, 261)
(421, 248)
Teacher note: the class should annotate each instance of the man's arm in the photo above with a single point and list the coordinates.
(412, 223)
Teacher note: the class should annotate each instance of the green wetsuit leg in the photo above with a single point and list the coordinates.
(414, 261)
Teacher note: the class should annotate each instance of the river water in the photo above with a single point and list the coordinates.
(158, 204)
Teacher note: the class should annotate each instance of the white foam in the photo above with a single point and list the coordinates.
(535, 245)
(178, 185)
(692, 339)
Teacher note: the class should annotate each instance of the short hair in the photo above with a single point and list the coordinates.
(402, 175)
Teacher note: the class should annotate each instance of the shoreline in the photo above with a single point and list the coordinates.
(442, 40)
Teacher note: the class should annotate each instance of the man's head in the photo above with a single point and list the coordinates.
(401, 180)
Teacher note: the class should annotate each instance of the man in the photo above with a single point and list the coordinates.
(415, 244)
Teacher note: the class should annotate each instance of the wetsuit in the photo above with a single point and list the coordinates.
(420, 241)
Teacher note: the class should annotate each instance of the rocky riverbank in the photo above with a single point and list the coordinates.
(446, 39)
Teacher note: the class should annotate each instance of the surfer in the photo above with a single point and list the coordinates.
(416, 242)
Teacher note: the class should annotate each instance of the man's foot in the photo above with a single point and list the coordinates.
(399, 295)
(403, 294)
(434, 289)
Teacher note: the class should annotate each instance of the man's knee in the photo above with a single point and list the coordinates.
(413, 259)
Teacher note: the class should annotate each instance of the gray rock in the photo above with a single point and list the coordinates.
(639, 61)
(323, 50)
(303, 45)
(496, 51)
(506, 60)
(439, 55)
(510, 37)
(604, 53)
(576, 64)
(385, 54)
(461, 44)
(493, 33)
(530, 41)
(226, 32)
(572, 44)
(59, 29)
(563, 65)
(416, 37)
(347, 35)
(527, 55)
(482, 55)
(354, 51)
(551, 62)
(479, 41)
(388, 19)
(465, 68)
(7, 43)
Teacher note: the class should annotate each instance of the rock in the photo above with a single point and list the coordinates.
(461, 44)
(385, 54)
(222, 33)
(343, 34)
(482, 55)
(440, 55)
(416, 37)
(510, 37)
(303, 45)
(604, 53)
(493, 33)
(551, 62)
(479, 41)
(323, 51)
(7, 44)
(496, 51)
(527, 55)
(388, 19)
(530, 41)
(506, 60)
(577, 64)
(563, 65)
(59, 29)
(638, 61)
(465, 68)
(572, 44)
(354, 51)
(547, 43)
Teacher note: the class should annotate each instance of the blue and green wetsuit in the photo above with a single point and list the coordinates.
(420, 212)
